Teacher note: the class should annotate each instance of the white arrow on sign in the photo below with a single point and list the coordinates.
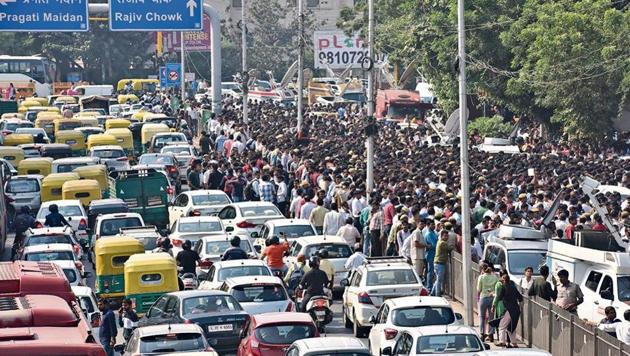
(4, 2)
(191, 5)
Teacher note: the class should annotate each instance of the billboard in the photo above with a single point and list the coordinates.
(198, 41)
(338, 50)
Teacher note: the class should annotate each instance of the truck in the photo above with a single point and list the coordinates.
(146, 191)
(397, 104)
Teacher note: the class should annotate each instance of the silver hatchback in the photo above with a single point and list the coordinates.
(24, 190)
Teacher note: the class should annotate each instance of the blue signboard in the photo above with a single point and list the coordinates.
(155, 15)
(173, 74)
(163, 77)
(43, 15)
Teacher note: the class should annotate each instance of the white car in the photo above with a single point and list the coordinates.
(24, 190)
(52, 253)
(112, 156)
(404, 313)
(370, 285)
(184, 154)
(247, 218)
(291, 228)
(53, 235)
(166, 338)
(72, 210)
(438, 340)
(162, 139)
(193, 228)
(73, 275)
(33, 131)
(220, 271)
(88, 302)
(66, 165)
(259, 294)
(197, 203)
(108, 225)
(211, 248)
(330, 345)
(338, 253)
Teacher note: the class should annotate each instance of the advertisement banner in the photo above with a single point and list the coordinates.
(198, 41)
(339, 50)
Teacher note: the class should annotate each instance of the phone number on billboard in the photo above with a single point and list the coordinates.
(345, 57)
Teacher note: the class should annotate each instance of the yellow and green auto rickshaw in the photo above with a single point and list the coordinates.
(27, 104)
(12, 154)
(41, 101)
(150, 130)
(88, 121)
(97, 172)
(117, 123)
(147, 277)
(110, 257)
(124, 138)
(65, 124)
(72, 138)
(12, 115)
(35, 165)
(46, 121)
(101, 140)
(52, 185)
(18, 139)
(84, 190)
(128, 99)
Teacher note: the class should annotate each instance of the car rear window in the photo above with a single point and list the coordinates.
(391, 276)
(334, 250)
(448, 344)
(422, 316)
(219, 247)
(111, 227)
(202, 226)
(66, 168)
(48, 239)
(156, 159)
(210, 199)
(50, 256)
(108, 153)
(252, 211)
(225, 273)
(294, 231)
(22, 186)
(172, 343)
(258, 292)
(119, 261)
(210, 304)
(284, 334)
(65, 210)
(177, 150)
(71, 274)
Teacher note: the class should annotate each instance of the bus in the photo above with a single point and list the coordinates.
(28, 74)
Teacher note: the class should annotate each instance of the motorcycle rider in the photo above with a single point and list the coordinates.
(326, 266)
(275, 253)
(187, 258)
(23, 221)
(54, 218)
(235, 252)
(313, 282)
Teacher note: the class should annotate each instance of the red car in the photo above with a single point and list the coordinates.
(271, 334)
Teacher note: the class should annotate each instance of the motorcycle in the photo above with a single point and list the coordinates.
(319, 308)
(190, 281)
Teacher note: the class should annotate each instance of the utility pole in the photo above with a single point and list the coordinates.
(244, 76)
(300, 79)
(465, 183)
(370, 102)
(183, 74)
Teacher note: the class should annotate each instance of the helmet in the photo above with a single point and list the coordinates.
(313, 262)
(235, 241)
(322, 253)
(187, 245)
(274, 240)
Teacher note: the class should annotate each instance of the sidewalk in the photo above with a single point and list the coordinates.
(459, 308)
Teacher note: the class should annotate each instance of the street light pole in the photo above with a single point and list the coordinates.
(370, 102)
(300, 79)
(244, 64)
(465, 183)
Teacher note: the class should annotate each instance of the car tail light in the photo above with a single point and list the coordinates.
(289, 306)
(177, 242)
(320, 303)
(390, 333)
(245, 224)
(205, 263)
(424, 292)
(82, 224)
(170, 190)
(122, 159)
(172, 169)
(38, 225)
(364, 298)
(195, 213)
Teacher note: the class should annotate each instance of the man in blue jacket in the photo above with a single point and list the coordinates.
(109, 330)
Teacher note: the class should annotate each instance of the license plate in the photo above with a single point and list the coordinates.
(320, 313)
(219, 328)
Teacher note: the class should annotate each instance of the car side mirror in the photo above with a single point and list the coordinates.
(229, 229)
(458, 316)
(387, 351)
(120, 348)
(344, 282)
(254, 235)
(372, 319)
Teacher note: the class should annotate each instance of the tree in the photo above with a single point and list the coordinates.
(490, 126)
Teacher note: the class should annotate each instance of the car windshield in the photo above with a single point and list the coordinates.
(200, 226)
(448, 344)
(216, 248)
(391, 277)
(240, 271)
(214, 199)
(422, 316)
(161, 140)
(111, 227)
(294, 231)
(178, 150)
(65, 210)
(66, 168)
(519, 260)
(108, 153)
(12, 126)
(252, 211)
(22, 186)
(172, 343)
(259, 292)
(71, 274)
(156, 159)
(334, 250)
(210, 304)
(284, 334)
(50, 256)
(623, 285)
(30, 131)
(34, 240)
(400, 111)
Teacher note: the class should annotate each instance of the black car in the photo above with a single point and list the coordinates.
(218, 313)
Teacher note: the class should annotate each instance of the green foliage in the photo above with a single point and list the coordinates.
(490, 126)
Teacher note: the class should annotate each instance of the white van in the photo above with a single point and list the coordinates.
(102, 90)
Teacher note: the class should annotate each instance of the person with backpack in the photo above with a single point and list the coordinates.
(295, 273)
(23, 221)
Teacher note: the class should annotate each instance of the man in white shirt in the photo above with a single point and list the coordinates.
(349, 233)
(333, 220)
(623, 329)
(357, 259)
(417, 251)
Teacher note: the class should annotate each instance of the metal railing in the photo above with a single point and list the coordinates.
(543, 325)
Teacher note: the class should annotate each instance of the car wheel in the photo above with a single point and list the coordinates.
(347, 323)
